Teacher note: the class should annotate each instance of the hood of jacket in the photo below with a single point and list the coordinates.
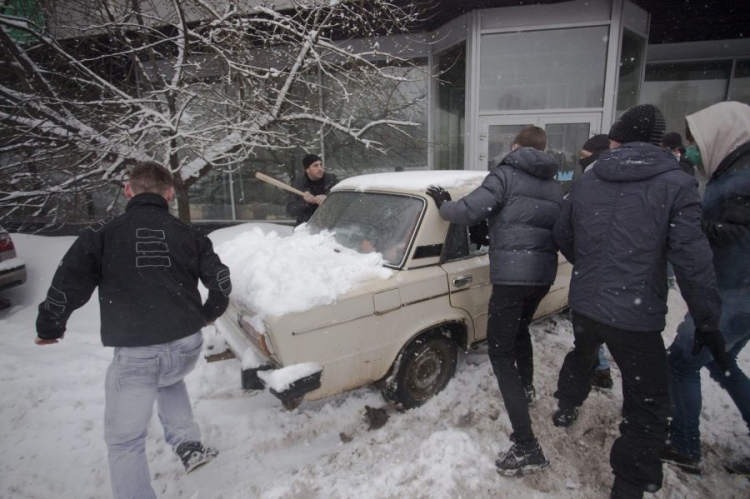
(718, 130)
(634, 161)
(532, 161)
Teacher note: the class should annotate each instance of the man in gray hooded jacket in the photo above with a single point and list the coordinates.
(633, 211)
(722, 136)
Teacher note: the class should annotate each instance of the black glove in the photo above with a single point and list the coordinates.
(714, 341)
(439, 194)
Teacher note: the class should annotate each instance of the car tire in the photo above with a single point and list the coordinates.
(424, 369)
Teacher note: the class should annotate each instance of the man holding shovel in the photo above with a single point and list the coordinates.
(315, 185)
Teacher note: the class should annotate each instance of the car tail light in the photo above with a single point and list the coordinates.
(256, 336)
(6, 244)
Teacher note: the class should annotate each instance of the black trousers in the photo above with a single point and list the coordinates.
(642, 360)
(511, 309)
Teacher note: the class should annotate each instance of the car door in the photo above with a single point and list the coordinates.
(466, 261)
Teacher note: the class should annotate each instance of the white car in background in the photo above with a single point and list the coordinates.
(12, 268)
(403, 332)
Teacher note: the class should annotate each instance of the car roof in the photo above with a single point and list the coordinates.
(458, 182)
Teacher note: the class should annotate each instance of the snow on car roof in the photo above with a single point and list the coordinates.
(413, 181)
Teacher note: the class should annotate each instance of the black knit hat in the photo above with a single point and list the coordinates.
(672, 140)
(310, 159)
(597, 143)
(642, 123)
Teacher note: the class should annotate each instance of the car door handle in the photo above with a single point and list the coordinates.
(462, 281)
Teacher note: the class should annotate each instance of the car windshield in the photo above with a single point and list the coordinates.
(367, 221)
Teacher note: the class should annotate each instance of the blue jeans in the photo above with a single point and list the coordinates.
(136, 378)
(685, 378)
(603, 360)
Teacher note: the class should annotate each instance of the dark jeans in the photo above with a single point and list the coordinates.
(642, 360)
(511, 309)
(685, 373)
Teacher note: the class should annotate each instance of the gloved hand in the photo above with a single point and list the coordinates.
(714, 341)
(439, 194)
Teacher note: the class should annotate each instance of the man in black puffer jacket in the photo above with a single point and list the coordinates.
(521, 199)
(623, 220)
(146, 264)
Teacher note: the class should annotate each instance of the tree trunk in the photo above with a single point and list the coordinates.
(180, 188)
(183, 199)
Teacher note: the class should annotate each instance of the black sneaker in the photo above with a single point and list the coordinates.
(565, 417)
(530, 394)
(194, 455)
(601, 379)
(670, 455)
(520, 459)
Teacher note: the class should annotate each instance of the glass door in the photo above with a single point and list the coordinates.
(497, 137)
(566, 133)
(565, 136)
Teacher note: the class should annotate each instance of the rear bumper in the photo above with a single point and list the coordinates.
(14, 276)
(257, 367)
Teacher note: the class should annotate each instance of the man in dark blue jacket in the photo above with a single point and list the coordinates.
(146, 264)
(722, 136)
(521, 198)
(633, 211)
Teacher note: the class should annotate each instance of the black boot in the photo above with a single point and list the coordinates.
(522, 458)
(565, 417)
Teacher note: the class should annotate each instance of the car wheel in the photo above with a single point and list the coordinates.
(424, 369)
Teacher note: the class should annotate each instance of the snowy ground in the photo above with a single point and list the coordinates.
(52, 404)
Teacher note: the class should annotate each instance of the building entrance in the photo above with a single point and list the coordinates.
(566, 133)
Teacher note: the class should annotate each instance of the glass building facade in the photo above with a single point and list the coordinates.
(571, 68)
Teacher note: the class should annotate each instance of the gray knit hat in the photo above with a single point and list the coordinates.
(642, 123)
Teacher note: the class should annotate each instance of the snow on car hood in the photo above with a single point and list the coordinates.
(275, 275)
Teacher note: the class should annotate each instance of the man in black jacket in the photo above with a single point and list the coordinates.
(146, 264)
(315, 183)
(521, 198)
(633, 211)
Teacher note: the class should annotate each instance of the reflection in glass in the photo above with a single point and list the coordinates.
(401, 97)
(564, 142)
(739, 90)
(550, 69)
(631, 61)
(682, 88)
(451, 108)
(500, 140)
(367, 222)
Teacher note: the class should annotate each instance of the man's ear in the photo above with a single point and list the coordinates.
(128, 191)
(514, 147)
(169, 194)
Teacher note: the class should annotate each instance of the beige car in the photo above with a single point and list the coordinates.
(403, 332)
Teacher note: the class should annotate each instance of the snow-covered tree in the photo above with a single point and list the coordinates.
(87, 87)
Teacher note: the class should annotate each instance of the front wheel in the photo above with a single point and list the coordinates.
(423, 370)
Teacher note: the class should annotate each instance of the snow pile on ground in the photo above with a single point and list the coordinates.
(275, 275)
(52, 409)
